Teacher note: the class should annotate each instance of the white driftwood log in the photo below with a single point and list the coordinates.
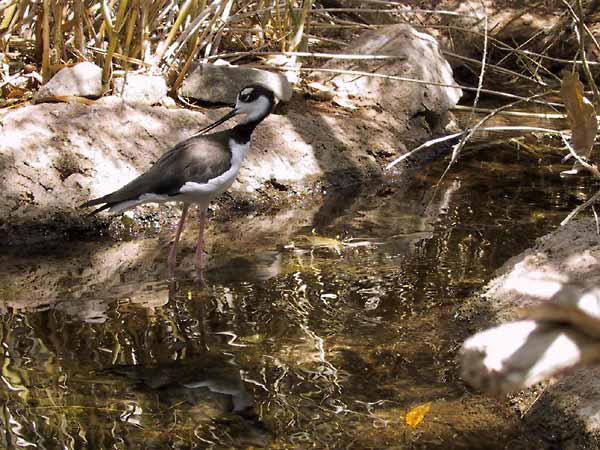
(558, 335)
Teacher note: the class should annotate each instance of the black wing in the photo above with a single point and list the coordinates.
(197, 159)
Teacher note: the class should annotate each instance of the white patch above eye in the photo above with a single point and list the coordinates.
(247, 91)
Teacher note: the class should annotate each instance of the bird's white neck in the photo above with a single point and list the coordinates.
(238, 152)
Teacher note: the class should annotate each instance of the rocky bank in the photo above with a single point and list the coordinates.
(54, 156)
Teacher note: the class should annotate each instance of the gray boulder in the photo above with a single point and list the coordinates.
(416, 56)
(221, 84)
(82, 80)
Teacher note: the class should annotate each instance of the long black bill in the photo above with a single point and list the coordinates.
(225, 118)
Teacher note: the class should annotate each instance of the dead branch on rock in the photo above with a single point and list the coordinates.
(555, 337)
(589, 202)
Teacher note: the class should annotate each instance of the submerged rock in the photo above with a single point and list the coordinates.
(82, 80)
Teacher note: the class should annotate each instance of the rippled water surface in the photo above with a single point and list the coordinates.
(320, 326)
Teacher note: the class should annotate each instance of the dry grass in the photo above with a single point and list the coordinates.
(161, 36)
(167, 36)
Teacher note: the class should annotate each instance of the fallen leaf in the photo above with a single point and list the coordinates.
(16, 93)
(70, 98)
(580, 113)
(416, 415)
(253, 339)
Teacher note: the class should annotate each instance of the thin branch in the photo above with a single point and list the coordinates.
(544, 116)
(483, 59)
(422, 146)
(412, 80)
(467, 134)
(588, 202)
(589, 167)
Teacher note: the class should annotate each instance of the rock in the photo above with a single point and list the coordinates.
(221, 84)
(418, 57)
(111, 101)
(168, 102)
(55, 156)
(141, 88)
(553, 338)
(82, 80)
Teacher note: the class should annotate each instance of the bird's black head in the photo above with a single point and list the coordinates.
(252, 92)
(255, 101)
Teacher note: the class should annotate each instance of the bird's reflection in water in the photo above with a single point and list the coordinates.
(208, 381)
(208, 377)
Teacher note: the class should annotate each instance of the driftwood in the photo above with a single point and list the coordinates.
(554, 336)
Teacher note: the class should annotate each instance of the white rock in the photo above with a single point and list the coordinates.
(141, 88)
(168, 102)
(82, 80)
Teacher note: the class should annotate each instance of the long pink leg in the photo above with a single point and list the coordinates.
(200, 260)
(173, 253)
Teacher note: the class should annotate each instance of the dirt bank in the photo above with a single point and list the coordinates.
(55, 156)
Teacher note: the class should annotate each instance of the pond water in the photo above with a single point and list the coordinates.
(334, 324)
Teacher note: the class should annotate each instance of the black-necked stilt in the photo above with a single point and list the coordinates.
(196, 170)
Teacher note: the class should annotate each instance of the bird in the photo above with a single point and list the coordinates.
(196, 170)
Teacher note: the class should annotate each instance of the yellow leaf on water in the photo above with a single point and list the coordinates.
(416, 415)
(254, 339)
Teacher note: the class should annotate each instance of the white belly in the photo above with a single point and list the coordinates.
(203, 193)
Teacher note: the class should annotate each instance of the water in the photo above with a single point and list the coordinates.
(318, 327)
